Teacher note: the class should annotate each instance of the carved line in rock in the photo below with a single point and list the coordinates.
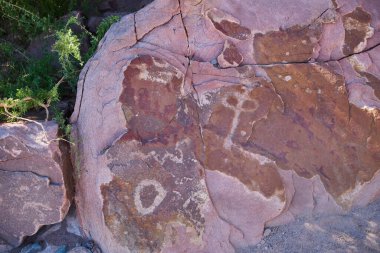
(237, 106)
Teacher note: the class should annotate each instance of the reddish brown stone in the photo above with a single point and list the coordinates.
(147, 195)
(230, 56)
(316, 135)
(227, 25)
(357, 30)
(296, 44)
(151, 87)
(233, 112)
(156, 176)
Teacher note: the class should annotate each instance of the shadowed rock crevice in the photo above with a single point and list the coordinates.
(134, 25)
(184, 27)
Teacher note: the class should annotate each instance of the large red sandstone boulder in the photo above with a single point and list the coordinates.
(35, 183)
(198, 123)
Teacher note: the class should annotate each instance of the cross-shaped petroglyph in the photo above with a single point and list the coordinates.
(238, 104)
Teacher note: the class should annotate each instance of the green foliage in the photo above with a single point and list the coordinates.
(21, 17)
(60, 118)
(26, 84)
(52, 8)
(100, 32)
(6, 49)
(105, 25)
(67, 46)
(28, 18)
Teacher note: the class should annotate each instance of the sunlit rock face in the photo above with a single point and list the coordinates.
(35, 181)
(198, 123)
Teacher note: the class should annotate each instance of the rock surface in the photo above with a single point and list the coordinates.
(356, 231)
(35, 182)
(176, 153)
(62, 237)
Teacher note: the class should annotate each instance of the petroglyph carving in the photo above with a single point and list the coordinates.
(160, 194)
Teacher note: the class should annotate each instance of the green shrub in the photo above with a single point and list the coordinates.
(67, 46)
(27, 84)
(100, 32)
(52, 8)
(21, 18)
(60, 118)
(105, 25)
(28, 18)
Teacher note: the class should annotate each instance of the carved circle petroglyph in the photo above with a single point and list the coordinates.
(157, 200)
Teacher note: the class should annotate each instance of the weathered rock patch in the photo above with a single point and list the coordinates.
(35, 179)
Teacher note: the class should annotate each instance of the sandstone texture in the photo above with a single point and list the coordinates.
(356, 231)
(199, 123)
(35, 184)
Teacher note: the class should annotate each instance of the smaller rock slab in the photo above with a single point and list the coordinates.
(34, 179)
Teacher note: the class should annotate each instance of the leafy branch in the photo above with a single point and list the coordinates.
(23, 19)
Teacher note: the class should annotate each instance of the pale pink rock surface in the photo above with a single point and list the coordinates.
(177, 151)
(246, 212)
(149, 18)
(363, 78)
(359, 37)
(35, 179)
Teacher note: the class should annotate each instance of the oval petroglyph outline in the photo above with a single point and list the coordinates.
(157, 200)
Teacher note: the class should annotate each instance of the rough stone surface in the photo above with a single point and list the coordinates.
(357, 232)
(79, 250)
(198, 123)
(35, 180)
(230, 56)
(65, 236)
(4, 247)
